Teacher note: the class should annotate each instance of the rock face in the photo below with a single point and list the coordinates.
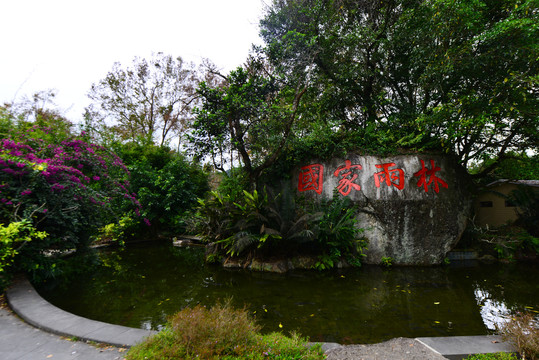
(413, 208)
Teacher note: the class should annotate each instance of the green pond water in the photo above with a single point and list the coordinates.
(140, 286)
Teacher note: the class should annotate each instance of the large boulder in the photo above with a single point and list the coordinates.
(413, 208)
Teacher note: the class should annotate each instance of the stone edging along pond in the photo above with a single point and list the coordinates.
(31, 307)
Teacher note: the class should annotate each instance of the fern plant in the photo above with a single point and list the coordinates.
(338, 234)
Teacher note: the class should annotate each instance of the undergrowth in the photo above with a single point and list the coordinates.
(220, 333)
(523, 332)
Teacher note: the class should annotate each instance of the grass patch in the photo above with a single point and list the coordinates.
(220, 333)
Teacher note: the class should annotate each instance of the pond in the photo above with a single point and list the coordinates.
(140, 286)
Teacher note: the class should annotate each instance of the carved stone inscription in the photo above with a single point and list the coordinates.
(413, 208)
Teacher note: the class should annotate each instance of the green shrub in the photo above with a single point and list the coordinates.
(234, 183)
(254, 222)
(337, 233)
(13, 237)
(493, 356)
(117, 232)
(166, 184)
(509, 240)
(387, 261)
(263, 224)
(220, 333)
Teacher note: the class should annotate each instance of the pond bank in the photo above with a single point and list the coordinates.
(30, 306)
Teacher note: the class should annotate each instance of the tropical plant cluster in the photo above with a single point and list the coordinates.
(264, 225)
(220, 332)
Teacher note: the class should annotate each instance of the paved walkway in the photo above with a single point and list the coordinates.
(19, 340)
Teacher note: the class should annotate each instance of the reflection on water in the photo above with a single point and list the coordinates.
(142, 285)
(493, 312)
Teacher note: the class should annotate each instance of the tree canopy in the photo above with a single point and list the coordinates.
(250, 113)
(379, 76)
(152, 100)
(461, 76)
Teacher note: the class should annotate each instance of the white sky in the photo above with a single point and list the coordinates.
(69, 44)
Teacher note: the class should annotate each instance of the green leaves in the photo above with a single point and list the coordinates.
(454, 76)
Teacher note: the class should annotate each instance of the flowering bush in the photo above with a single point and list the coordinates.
(68, 189)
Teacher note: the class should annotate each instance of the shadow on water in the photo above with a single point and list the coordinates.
(142, 285)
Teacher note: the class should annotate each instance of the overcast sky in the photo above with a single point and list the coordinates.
(69, 44)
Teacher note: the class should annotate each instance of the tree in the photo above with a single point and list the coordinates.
(37, 113)
(251, 114)
(166, 184)
(152, 100)
(461, 76)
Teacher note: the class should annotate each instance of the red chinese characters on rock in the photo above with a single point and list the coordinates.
(391, 177)
(346, 183)
(432, 178)
(311, 177)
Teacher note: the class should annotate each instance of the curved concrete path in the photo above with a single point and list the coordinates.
(31, 307)
(21, 341)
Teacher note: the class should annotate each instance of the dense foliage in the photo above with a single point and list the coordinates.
(456, 76)
(55, 182)
(261, 224)
(220, 333)
(166, 184)
(60, 191)
(493, 356)
(513, 167)
(249, 113)
(526, 198)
